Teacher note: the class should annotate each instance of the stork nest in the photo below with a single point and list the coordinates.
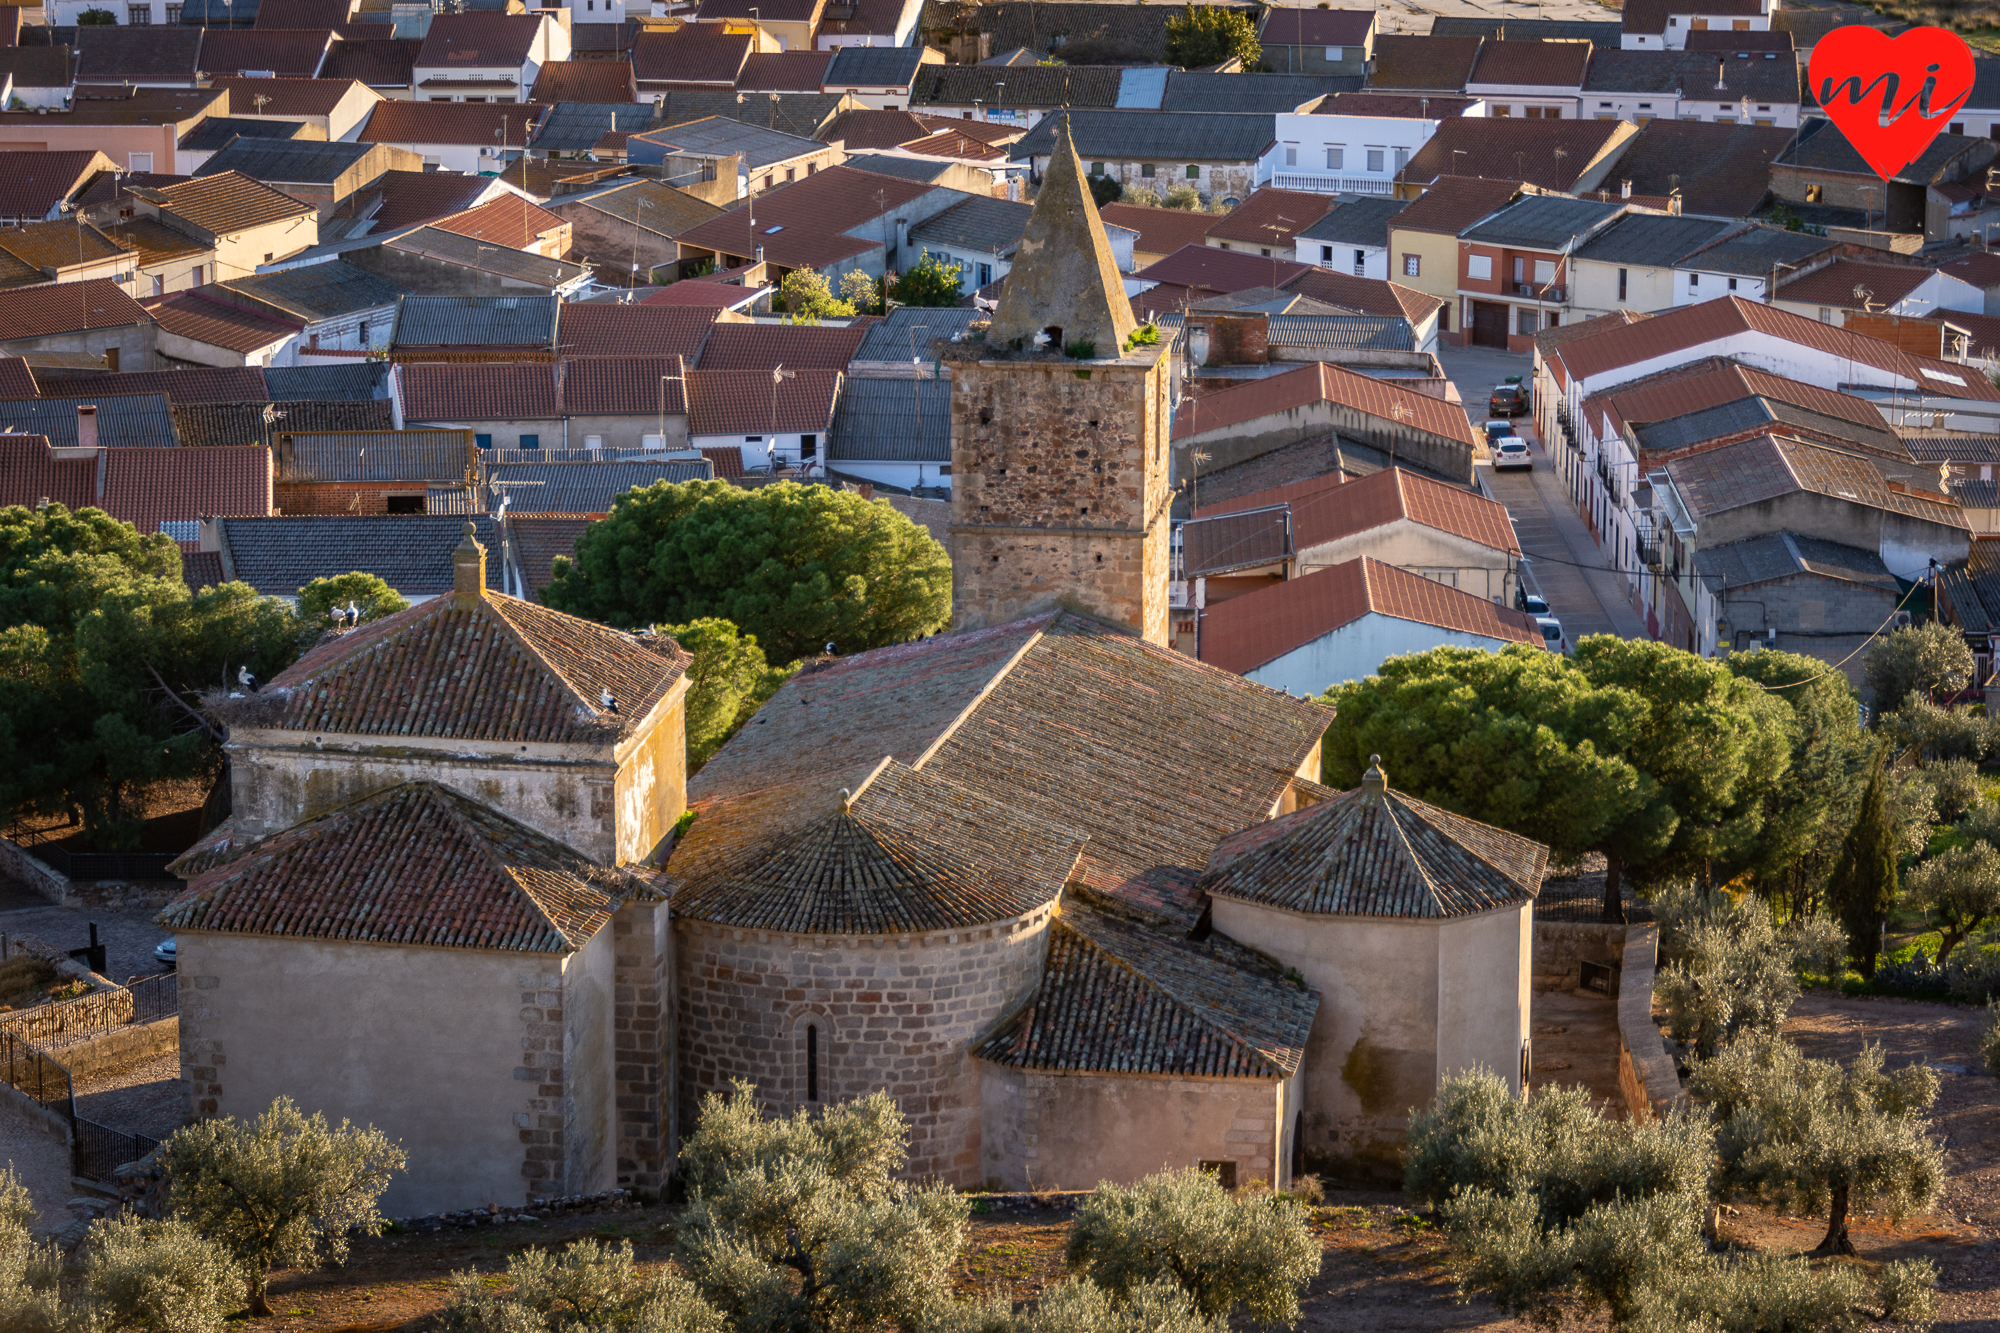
(236, 708)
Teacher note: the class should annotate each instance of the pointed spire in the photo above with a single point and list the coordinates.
(1064, 277)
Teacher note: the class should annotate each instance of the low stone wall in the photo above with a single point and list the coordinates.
(1561, 948)
(1645, 1072)
(88, 1053)
(17, 861)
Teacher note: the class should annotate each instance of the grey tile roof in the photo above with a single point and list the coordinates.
(291, 161)
(1955, 448)
(899, 420)
(880, 66)
(1379, 332)
(1359, 222)
(1776, 555)
(254, 423)
(1377, 854)
(393, 455)
(477, 321)
(1603, 35)
(1541, 220)
(1644, 238)
(908, 168)
(1692, 75)
(134, 419)
(1821, 147)
(1750, 413)
(583, 488)
(321, 291)
(1025, 86)
(803, 114)
(409, 552)
(1252, 93)
(990, 226)
(909, 327)
(1752, 253)
(370, 379)
(524, 266)
(215, 133)
(1124, 136)
(576, 127)
(719, 135)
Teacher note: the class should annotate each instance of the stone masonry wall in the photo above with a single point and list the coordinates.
(1060, 490)
(1562, 946)
(543, 1125)
(894, 1012)
(640, 1021)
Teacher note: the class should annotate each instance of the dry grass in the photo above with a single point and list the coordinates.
(24, 979)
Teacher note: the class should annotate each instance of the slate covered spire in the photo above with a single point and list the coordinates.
(1064, 276)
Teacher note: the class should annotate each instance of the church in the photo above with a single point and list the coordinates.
(1075, 900)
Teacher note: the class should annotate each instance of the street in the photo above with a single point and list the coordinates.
(1564, 563)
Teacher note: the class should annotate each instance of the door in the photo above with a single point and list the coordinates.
(1489, 324)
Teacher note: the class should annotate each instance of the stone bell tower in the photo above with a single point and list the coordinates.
(1059, 462)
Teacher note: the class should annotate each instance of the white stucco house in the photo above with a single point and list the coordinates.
(1355, 143)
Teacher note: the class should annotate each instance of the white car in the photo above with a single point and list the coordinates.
(1553, 638)
(1512, 452)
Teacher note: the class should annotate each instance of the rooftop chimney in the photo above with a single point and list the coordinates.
(1374, 782)
(1624, 189)
(1721, 80)
(86, 426)
(468, 569)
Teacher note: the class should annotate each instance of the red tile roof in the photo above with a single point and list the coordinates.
(1546, 153)
(1325, 510)
(377, 62)
(726, 460)
(290, 54)
(1453, 203)
(1985, 330)
(419, 196)
(36, 182)
(17, 380)
(1161, 230)
(749, 402)
(767, 346)
(598, 81)
(37, 312)
(1271, 217)
(508, 220)
(140, 485)
(1434, 63)
(189, 315)
(1371, 296)
(1317, 27)
(802, 225)
(227, 203)
(481, 39)
(449, 122)
(881, 129)
(592, 329)
(696, 53)
(1981, 269)
(1834, 285)
(1532, 64)
(1204, 266)
(416, 864)
(697, 293)
(1243, 633)
(1713, 381)
(1687, 327)
(221, 384)
(538, 539)
(1320, 382)
(479, 392)
(783, 72)
(285, 96)
(623, 385)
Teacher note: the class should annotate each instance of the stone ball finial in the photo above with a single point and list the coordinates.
(846, 799)
(1375, 780)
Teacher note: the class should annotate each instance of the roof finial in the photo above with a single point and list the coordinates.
(1374, 782)
(846, 799)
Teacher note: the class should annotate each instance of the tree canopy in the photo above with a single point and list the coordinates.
(808, 299)
(727, 683)
(368, 593)
(1930, 658)
(928, 282)
(794, 566)
(103, 650)
(1210, 34)
(1864, 882)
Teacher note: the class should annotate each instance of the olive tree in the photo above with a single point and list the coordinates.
(1931, 659)
(1936, 732)
(588, 1286)
(283, 1189)
(1732, 971)
(1811, 1137)
(1960, 888)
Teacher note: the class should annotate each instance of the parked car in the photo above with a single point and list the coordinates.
(1509, 400)
(164, 953)
(1512, 452)
(1553, 637)
(1532, 602)
(1497, 431)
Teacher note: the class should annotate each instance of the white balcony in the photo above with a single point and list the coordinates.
(1329, 183)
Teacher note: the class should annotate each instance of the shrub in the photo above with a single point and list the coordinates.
(1938, 733)
(1909, 1293)
(1973, 976)
(588, 1286)
(1733, 972)
(162, 1275)
(1955, 783)
(1930, 659)
(1104, 190)
(1960, 888)
(1145, 196)
(1182, 195)
(1989, 1040)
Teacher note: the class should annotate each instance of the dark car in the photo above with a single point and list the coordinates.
(1508, 401)
(1532, 602)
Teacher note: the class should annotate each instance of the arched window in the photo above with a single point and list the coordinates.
(812, 1062)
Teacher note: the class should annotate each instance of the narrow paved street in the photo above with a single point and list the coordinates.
(1564, 564)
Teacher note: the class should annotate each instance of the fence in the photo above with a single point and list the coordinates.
(98, 1150)
(1574, 900)
(65, 1018)
(154, 998)
(36, 1075)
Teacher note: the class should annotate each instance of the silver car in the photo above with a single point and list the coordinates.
(1553, 637)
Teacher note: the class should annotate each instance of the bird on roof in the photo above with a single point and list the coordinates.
(353, 613)
(245, 679)
(606, 700)
(830, 648)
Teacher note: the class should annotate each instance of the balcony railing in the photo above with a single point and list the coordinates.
(1329, 183)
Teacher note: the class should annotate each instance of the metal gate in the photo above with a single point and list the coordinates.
(1489, 324)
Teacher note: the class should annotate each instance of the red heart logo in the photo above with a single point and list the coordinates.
(1890, 98)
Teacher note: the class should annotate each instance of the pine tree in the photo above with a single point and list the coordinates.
(1864, 883)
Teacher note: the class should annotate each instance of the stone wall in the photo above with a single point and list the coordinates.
(18, 862)
(643, 976)
(894, 1012)
(115, 1048)
(1645, 1071)
(1561, 947)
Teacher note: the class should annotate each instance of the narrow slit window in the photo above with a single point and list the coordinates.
(812, 1062)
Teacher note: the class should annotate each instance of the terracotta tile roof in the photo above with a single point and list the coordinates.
(1244, 633)
(784, 72)
(1119, 997)
(116, 186)
(804, 225)
(711, 296)
(1371, 296)
(68, 307)
(1434, 63)
(508, 220)
(1686, 327)
(1329, 513)
(287, 96)
(646, 204)
(419, 196)
(590, 329)
(1981, 268)
(1532, 64)
(866, 128)
(189, 315)
(748, 402)
(623, 385)
(226, 203)
(1454, 203)
(768, 346)
(695, 53)
(479, 392)
(114, 54)
(1720, 170)
(377, 62)
(55, 245)
(138, 485)
(1316, 27)
(153, 242)
(1834, 284)
(1317, 382)
(1271, 217)
(1650, 16)
(1755, 470)
(1204, 266)
(290, 54)
(401, 122)
(950, 143)
(37, 182)
(1985, 330)
(1368, 854)
(17, 380)
(1059, 718)
(604, 81)
(537, 539)
(1546, 153)
(1161, 230)
(480, 39)
(222, 384)
(202, 569)
(496, 670)
(417, 864)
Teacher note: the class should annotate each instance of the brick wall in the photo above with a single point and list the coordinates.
(543, 1124)
(894, 1012)
(341, 497)
(1235, 340)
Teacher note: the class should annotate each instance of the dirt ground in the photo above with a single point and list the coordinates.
(1576, 1041)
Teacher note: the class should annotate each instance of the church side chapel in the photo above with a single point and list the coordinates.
(1072, 898)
